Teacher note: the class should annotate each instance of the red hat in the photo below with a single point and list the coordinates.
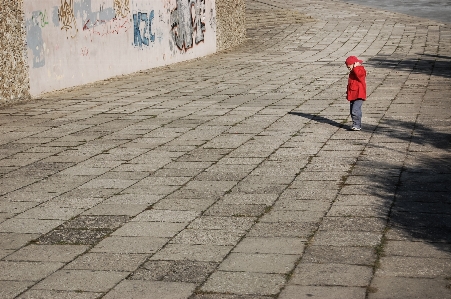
(352, 59)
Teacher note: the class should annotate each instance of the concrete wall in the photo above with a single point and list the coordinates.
(231, 24)
(74, 42)
(13, 66)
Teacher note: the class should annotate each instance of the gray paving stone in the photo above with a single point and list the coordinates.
(302, 230)
(175, 271)
(27, 271)
(149, 229)
(180, 252)
(347, 238)
(244, 283)
(116, 209)
(206, 237)
(293, 246)
(45, 294)
(127, 245)
(325, 292)
(14, 241)
(107, 262)
(141, 289)
(406, 287)
(227, 296)
(184, 204)
(417, 249)
(10, 289)
(81, 280)
(340, 255)
(235, 210)
(47, 253)
(353, 223)
(420, 267)
(292, 216)
(28, 226)
(166, 216)
(332, 274)
(259, 263)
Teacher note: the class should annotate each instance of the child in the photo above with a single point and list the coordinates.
(356, 91)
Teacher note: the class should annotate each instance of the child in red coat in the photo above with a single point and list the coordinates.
(356, 91)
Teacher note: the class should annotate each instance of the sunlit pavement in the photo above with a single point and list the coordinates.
(236, 176)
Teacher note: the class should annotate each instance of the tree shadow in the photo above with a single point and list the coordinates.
(419, 187)
(435, 65)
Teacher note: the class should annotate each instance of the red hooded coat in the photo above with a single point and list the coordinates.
(356, 84)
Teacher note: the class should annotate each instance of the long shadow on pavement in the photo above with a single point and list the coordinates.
(422, 205)
(435, 65)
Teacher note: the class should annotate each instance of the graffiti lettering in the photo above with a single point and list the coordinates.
(184, 24)
(121, 7)
(143, 28)
(115, 26)
(43, 18)
(199, 20)
(67, 17)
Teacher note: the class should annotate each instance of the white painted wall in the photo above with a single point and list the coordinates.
(74, 42)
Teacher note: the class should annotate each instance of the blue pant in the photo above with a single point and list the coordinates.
(356, 113)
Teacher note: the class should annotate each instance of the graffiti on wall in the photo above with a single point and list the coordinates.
(122, 8)
(67, 39)
(67, 18)
(143, 28)
(103, 21)
(35, 40)
(185, 23)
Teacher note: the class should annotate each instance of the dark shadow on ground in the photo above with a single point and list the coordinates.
(420, 186)
(422, 199)
(435, 65)
(317, 118)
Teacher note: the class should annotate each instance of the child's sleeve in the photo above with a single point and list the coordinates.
(360, 73)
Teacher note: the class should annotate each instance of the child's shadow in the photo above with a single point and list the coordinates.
(318, 118)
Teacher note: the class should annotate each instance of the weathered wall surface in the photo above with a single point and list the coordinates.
(55, 44)
(74, 42)
(231, 25)
(13, 67)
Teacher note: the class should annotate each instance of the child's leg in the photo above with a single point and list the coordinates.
(356, 113)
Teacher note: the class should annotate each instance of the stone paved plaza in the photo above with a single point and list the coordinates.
(236, 176)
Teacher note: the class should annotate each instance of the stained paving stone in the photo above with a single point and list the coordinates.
(175, 271)
(73, 237)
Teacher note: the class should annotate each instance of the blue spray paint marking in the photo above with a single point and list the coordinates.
(35, 40)
(146, 36)
(91, 18)
(55, 17)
